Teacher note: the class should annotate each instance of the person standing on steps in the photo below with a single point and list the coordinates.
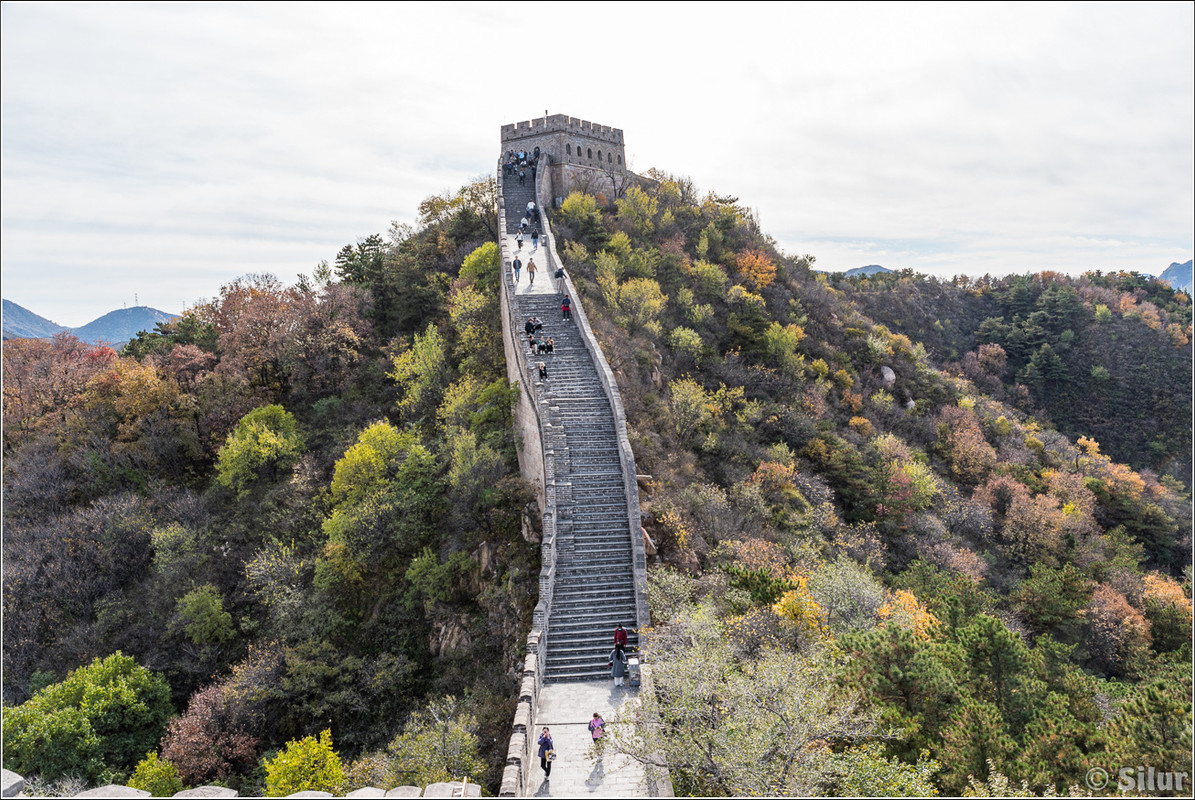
(566, 307)
(543, 373)
(531, 271)
(620, 639)
(618, 666)
(547, 753)
(535, 239)
(560, 279)
(597, 729)
(518, 265)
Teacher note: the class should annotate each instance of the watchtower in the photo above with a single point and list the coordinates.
(582, 155)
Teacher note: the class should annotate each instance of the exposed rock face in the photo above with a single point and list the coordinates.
(889, 376)
(533, 523)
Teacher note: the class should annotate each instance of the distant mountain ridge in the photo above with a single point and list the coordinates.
(115, 327)
(21, 323)
(870, 269)
(1179, 276)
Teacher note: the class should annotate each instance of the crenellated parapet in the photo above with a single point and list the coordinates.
(580, 155)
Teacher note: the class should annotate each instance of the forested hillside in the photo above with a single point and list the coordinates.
(878, 576)
(1106, 356)
(896, 556)
(297, 506)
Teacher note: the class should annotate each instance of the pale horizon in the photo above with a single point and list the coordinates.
(165, 150)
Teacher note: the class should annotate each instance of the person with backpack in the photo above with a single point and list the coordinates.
(566, 307)
(560, 280)
(535, 239)
(597, 729)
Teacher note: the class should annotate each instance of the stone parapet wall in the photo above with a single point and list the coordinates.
(626, 456)
(560, 123)
(14, 786)
(541, 438)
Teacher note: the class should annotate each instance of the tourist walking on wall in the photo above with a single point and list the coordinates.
(535, 239)
(547, 753)
(620, 639)
(566, 307)
(618, 666)
(522, 176)
(519, 239)
(597, 729)
(531, 271)
(518, 265)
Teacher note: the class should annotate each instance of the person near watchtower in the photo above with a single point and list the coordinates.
(617, 665)
(620, 639)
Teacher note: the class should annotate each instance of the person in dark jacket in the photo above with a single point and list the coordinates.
(620, 638)
(546, 748)
(618, 666)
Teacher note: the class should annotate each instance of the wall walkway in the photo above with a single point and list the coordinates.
(576, 450)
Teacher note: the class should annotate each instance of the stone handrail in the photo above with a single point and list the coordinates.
(534, 419)
(626, 456)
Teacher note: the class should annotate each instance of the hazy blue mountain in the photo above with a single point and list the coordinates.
(1179, 276)
(117, 327)
(21, 323)
(870, 269)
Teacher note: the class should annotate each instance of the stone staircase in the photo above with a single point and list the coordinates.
(594, 588)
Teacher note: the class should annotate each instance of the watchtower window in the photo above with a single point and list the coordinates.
(568, 148)
(609, 160)
(590, 152)
(620, 159)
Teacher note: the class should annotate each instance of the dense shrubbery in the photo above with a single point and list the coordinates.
(300, 507)
(990, 599)
(275, 504)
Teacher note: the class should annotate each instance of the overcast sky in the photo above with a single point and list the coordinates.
(159, 151)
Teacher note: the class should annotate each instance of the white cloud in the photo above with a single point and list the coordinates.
(165, 149)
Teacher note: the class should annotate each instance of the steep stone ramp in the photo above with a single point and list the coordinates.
(594, 589)
(574, 449)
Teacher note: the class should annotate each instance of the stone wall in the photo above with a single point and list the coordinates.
(538, 440)
(541, 436)
(14, 786)
(626, 456)
(581, 154)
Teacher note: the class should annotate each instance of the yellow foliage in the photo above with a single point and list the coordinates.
(906, 610)
(1166, 591)
(862, 426)
(757, 268)
(675, 524)
(799, 608)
